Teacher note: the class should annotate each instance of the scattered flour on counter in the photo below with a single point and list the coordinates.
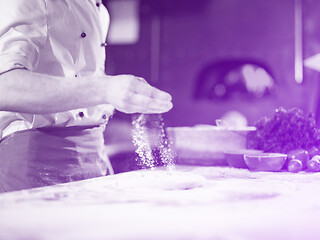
(152, 145)
(158, 180)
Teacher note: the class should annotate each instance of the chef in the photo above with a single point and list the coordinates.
(55, 98)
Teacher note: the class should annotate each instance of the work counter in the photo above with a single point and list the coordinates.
(232, 204)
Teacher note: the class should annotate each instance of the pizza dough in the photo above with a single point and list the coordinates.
(159, 179)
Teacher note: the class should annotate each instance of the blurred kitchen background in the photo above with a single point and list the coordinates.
(218, 56)
(194, 49)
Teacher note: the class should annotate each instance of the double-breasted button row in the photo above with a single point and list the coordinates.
(81, 114)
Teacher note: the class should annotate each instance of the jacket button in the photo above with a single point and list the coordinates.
(81, 114)
(98, 4)
(83, 35)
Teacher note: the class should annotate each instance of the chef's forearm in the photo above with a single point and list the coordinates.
(29, 92)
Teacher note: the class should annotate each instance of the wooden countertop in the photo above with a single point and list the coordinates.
(233, 204)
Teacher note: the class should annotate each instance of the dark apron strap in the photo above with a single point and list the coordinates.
(47, 156)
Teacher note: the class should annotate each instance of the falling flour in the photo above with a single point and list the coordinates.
(152, 145)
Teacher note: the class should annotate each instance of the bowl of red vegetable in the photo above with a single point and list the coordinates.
(272, 162)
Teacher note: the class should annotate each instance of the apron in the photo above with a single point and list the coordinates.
(52, 155)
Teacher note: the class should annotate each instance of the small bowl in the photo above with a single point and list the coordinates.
(272, 162)
(235, 158)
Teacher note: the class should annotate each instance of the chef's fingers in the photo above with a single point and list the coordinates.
(143, 88)
(144, 104)
(158, 94)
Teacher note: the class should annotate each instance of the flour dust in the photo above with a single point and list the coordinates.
(153, 147)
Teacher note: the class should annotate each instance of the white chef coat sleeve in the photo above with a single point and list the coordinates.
(23, 31)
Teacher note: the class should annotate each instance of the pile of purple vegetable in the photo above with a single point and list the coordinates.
(290, 132)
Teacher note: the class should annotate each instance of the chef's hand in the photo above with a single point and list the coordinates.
(131, 94)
